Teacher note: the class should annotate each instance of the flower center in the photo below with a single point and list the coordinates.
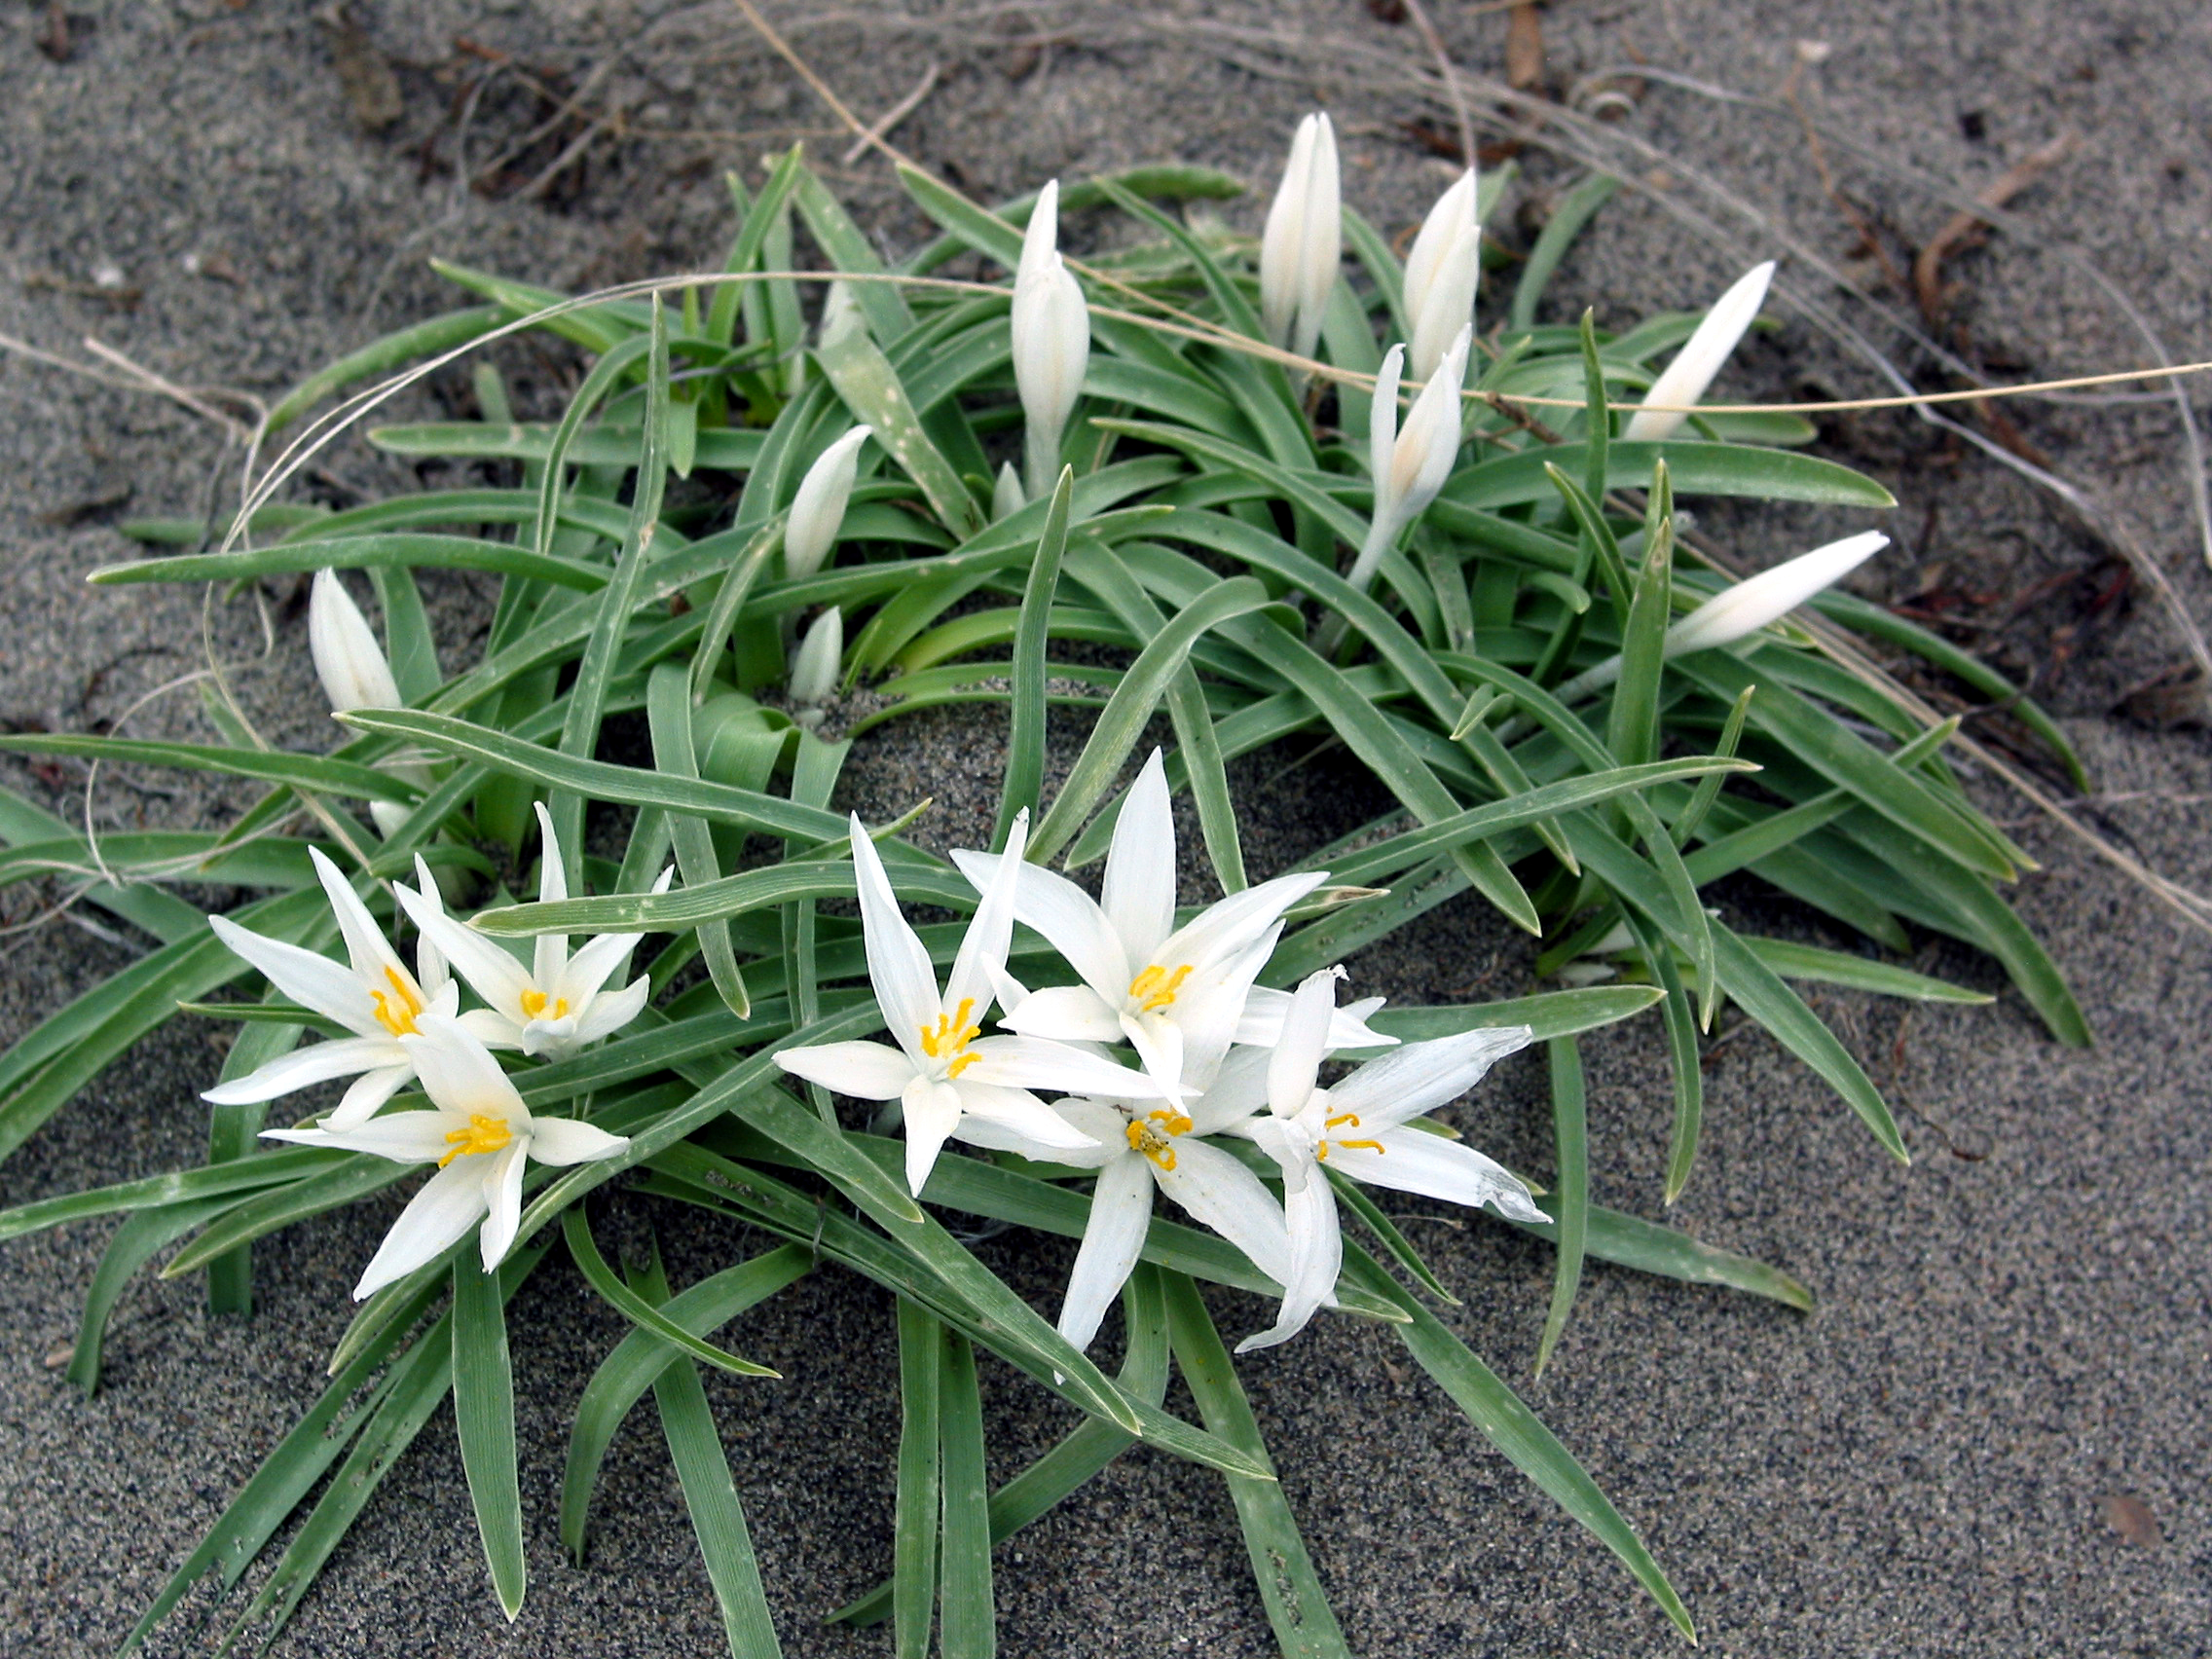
(484, 1135)
(534, 1003)
(396, 1011)
(1321, 1148)
(949, 1037)
(1155, 988)
(1158, 1143)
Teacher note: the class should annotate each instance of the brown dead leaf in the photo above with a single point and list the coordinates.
(1965, 229)
(364, 73)
(1525, 49)
(2131, 1518)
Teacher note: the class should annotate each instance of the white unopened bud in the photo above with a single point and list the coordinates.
(841, 315)
(1686, 379)
(818, 509)
(813, 670)
(1303, 242)
(1742, 610)
(1051, 339)
(1006, 495)
(352, 667)
(1443, 271)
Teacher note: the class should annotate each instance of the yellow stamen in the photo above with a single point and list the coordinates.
(949, 1037)
(534, 1004)
(398, 1019)
(1352, 1118)
(1155, 988)
(1371, 1146)
(483, 1134)
(1177, 1122)
(1144, 1138)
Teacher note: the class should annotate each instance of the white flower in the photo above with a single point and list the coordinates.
(1748, 605)
(1303, 241)
(355, 674)
(375, 998)
(1052, 339)
(813, 670)
(478, 1133)
(818, 507)
(1176, 994)
(1361, 1129)
(944, 1070)
(1686, 377)
(1443, 270)
(560, 1003)
(1006, 495)
(1140, 1145)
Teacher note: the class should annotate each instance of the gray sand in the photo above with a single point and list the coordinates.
(2010, 1344)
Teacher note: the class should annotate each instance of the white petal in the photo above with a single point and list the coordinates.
(1295, 1066)
(817, 507)
(1225, 930)
(1121, 1210)
(313, 981)
(933, 1112)
(1283, 237)
(503, 1200)
(608, 1012)
(1215, 1188)
(492, 973)
(404, 1137)
(1448, 306)
(563, 1141)
(1138, 896)
(1686, 377)
(1316, 1255)
(1003, 1134)
(1383, 440)
(347, 660)
(431, 969)
(1453, 212)
(1023, 1112)
(1238, 1090)
(1414, 1160)
(1032, 1062)
(371, 952)
(318, 1062)
(1073, 1014)
(865, 1071)
(898, 964)
(1752, 604)
(493, 1029)
(370, 1090)
(435, 1219)
(1212, 1007)
(982, 957)
(551, 1038)
(460, 1075)
(1423, 1076)
(551, 951)
(1068, 917)
(1264, 1007)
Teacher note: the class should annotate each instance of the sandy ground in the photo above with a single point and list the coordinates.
(1990, 1438)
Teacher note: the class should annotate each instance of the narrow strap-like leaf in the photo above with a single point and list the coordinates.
(1025, 741)
(484, 1416)
(967, 1616)
(1571, 1136)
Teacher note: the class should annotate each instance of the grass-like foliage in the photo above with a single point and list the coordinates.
(1175, 480)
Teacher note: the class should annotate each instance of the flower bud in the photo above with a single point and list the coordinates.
(1303, 242)
(813, 670)
(1409, 466)
(1686, 379)
(351, 665)
(841, 315)
(818, 507)
(1443, 271)
(1006, 495)
(1051, 339)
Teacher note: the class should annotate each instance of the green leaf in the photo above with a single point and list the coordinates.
(1698, 469)
(1572, 212)
(426, 339)
(1630, 1241)
(1571, 1189)
(1304, 1626)
(1024, 781)
(967, 1626)
(484, 1416)
(668, 716)
(314, 773)
(575, 1230)
(916, 1515)
(1631, 728)
(872, 390)
(141, 1236)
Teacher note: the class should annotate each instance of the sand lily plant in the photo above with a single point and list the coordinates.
(1155, 578)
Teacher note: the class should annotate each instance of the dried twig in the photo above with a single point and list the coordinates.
(1963, 228)
(893, 115)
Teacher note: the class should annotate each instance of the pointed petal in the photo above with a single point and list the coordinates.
(933, 1112)
(309, 980)
(1684, 379)
(1383, 436)
(1121, 1210)
(1212, 1006)
(1023, 1112)
(1238, 1090)
(404, 1137)
(552, 949)
(435, 1219)
(1225, 930)
(865, 1071)
(459, 1073)
(1421, 1077)
(1414, 1160)
(1159, 1042)
(898, 964)
(492, 973)
(353, 669)
(990, 931)
(1102, 1125)
(1316, 1255)
(318, 1062)
(1295, 1066)
(1219, 1191)
(1265, 1008)
(503, 1200)
(562, 1141)
(1032, 1062)
(610, 1010)
(602, 958)
(1071, 1013)
(493, 1029)
(370, 1090)
(371, 952)
(1139, 892)
(431, 971)
(1070, 920)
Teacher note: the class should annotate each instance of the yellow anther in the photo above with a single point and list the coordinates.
(1352, 1118)
(1144, 1138)
(534, 1004)
(1371, 1146)
(397, 1012)
(484, 1133)
(949, 1037)
(1155, 988)
(1175, 1122)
